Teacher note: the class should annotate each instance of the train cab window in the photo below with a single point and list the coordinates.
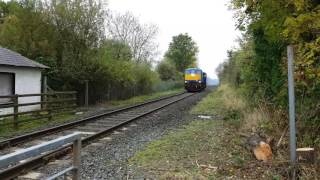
(193, 71)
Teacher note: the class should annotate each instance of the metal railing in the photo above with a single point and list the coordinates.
(48, 103)
(37, 150)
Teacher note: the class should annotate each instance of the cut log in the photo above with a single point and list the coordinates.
(306, 155)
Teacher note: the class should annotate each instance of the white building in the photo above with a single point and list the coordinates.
(19, 75)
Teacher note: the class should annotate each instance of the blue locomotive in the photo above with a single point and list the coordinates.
(195, 80)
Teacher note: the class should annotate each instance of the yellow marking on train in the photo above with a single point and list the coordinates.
(192, 77)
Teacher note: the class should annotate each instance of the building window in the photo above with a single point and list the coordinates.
(7, 86)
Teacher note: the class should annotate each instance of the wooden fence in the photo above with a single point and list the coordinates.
(47, 105)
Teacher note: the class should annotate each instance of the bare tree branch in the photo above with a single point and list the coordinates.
(140, 37)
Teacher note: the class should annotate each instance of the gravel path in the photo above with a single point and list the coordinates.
(108, 157)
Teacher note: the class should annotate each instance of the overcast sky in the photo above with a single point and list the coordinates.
(209, 22)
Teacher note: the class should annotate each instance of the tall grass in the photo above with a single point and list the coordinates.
(228, 103)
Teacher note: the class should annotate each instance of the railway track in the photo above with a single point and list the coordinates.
(92, 129)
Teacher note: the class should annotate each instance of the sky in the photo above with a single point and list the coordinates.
(208, 22)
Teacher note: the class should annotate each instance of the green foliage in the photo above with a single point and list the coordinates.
(167, 85)
(144, 79)
(69, 37)
(116, 50)
(259, 66)
(166, 71)
(25, 31)
(170, 77)
(121, 79)
(61, 34)
(182, 52)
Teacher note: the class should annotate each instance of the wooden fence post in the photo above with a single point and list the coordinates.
(86, 100)
(76, 159)
(49, 114)
(45, 91)
(15, 111)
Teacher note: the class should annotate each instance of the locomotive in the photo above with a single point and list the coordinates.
(195, 80)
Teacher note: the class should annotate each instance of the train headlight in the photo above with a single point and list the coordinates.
(185, 81)
(200, 81)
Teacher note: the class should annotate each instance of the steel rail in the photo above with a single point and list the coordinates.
(39, 161)
(27, 137)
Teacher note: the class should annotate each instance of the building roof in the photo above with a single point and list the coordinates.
(11, 58)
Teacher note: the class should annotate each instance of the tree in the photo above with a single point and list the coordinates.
(126, 28)
(78, 26)
(271, 25)
(166, 71)
(69, 37)
(24, 30)
(4, 10)
(182, 52)
(115, 50)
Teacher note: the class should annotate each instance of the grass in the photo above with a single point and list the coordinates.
(140, 99)
(206, 149)
(224, 103)
(8, 130)
(227, 103)
(221, 101)
(198, 151)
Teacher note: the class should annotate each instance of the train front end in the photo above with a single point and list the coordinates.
(193, 80)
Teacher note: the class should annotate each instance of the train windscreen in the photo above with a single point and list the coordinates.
(193, 71)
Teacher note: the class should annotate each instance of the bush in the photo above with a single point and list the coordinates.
(166, 71)
(167, 85)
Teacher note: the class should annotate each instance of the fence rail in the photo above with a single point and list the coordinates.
(48, 103)
(41, 94)
(52, 145)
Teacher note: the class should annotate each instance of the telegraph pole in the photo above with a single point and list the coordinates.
(292, 122)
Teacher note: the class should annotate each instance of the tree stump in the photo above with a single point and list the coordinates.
(306, 155)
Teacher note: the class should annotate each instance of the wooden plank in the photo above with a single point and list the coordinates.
(42, 94)
(6, 105)
(7, 96)
(38, 111)
(306, 155)
(48, 102)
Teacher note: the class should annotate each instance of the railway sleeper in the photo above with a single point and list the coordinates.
(92, 129)
(114, 119)
(103, 124)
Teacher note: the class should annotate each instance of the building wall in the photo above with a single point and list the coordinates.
(27, 81)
